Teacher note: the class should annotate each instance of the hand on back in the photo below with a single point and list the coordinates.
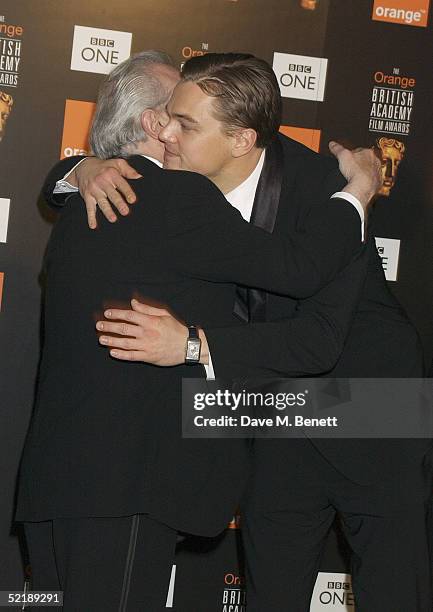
(103, 184)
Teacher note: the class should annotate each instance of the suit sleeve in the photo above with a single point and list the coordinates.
(56, 174)
(214, 243)
(309, 343)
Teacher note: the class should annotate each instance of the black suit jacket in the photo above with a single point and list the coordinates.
(105, 438)
(272, 344)
(348, 329)
(282, 340)
(292, 201)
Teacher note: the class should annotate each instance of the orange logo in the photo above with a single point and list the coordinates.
(2, 276)
(188, 52)
(232, 579)
(11, 30)
(406, 12)
(78, 117)
(306, 136)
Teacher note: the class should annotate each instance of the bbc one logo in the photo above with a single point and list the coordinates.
(405, 12)
(333, 592)
(96, 50)
(301, 76)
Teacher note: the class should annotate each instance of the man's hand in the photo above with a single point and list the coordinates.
(100, 183)
(362, 170)
(147, 334)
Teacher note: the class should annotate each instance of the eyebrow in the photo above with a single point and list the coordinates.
(185, 117)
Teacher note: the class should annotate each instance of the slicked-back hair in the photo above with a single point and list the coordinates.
(128, 90)
(245, 89)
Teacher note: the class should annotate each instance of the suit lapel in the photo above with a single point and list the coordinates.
(250, 304)
(268, 192)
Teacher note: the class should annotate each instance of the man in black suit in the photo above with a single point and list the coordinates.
(106, 479)
(380, 488)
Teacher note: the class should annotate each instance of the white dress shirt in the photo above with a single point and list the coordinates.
(241, 197)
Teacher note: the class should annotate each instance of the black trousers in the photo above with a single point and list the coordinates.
(289, 507)
(119, 564)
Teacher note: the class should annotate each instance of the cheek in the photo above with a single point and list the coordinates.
(189, 151)
(198, 150)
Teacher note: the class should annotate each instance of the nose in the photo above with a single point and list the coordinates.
(167, 133)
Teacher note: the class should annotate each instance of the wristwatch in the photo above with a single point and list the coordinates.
(193, 346)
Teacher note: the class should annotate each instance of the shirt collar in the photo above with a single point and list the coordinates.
(242, 196)
(152, 159)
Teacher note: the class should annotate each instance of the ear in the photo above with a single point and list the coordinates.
(243, 141)
(149, 123)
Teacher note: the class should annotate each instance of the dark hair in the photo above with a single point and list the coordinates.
(245, 89)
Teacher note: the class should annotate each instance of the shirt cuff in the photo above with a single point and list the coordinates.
(210, 374)
(63, 186)
(343, 195)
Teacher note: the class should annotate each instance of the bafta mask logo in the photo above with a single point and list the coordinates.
(310, 5)
(6, 102)
(392, 151)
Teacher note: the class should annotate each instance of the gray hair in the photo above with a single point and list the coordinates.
(129, 89)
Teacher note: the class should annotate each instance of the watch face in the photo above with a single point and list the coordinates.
(193, 350)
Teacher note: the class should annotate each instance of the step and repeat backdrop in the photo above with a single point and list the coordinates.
(359, 71)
